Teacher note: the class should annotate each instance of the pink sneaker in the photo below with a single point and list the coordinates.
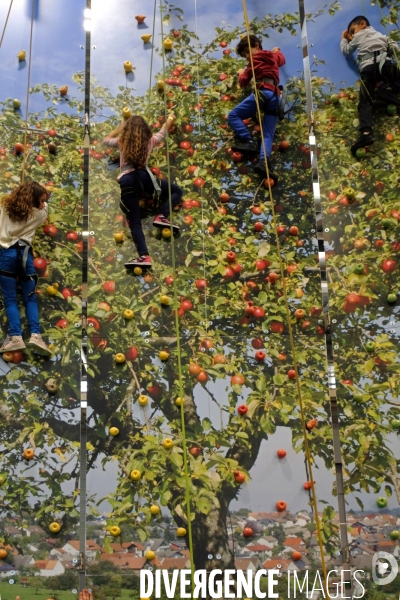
(141, 261)
(161, 221)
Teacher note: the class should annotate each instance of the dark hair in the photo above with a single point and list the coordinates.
(357, 21)
(244, 44)
(20, 203)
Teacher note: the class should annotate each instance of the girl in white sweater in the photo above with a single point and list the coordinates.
(21, 212)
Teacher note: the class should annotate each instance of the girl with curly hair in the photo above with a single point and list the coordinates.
(135, 143)
(21, 212)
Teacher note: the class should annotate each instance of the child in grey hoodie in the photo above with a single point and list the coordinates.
(374, 51)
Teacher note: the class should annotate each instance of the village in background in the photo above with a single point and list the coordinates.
(36, 561)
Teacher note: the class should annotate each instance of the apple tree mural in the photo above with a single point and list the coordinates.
(230, 304)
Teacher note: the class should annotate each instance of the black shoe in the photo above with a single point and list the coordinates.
(142, 261)
(365, 139)
(245, 146)
(261, 170)
(388, 97)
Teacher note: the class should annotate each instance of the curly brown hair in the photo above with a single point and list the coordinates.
(134, 141)
(20, 203)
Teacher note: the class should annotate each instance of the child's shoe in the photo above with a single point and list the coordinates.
(365, 139)
(14, 342)
(245, 146)
(261, 170)
(161, 221)
(141, 261)
(37, 343)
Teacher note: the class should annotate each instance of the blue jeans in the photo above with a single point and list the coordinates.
(137, 185)
(247, 109)
(9, 261)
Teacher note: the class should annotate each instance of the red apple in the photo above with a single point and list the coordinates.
(109, 287)
(50, 231)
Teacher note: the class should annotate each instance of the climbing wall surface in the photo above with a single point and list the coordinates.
(218, 290)
(208, 396)
(361, 229)
(39, 431)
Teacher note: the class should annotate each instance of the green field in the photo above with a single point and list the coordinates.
(9, 592)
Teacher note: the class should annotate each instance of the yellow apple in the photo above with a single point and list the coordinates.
(166, 300)
(138, 270)
(154, 510)
(128, 314)
(55, 527)
(168, 43)
(181, 532)
(143, 400)
(163, 355)
(146, 37)
(114, 431)
(126, 112)
(115, 530)
(119, 236)
(179, 401)
(150, 555)
(135, 475)
(128, 66)
(160, 85)
(119, 358)
(52, 290)
(21, 55)
(166, 233)
(167, 443)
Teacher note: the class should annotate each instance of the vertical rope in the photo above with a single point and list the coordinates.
(5, 24)
(151, 61)
(290, 330)
(177, 329)
(27, 92)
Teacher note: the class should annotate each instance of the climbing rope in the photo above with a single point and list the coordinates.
(5, 24)
(177, 328)
(151, 61)
(27, 92)
(288, 315)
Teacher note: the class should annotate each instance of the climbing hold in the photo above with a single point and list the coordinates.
(128, 66)
(3, 553)
(143, 400)
(135, 475)
(119, 358)
(128, 314)
(137, 271)
(181, 532)
(296, 555)
(146, 37)
(168, 43)
(281, 505)
(63, 90)
(166, 233)
(115, 530)
(126, 112)
(154, 509)
(281, 453)
(140, 18)
(163, 355)
(179, 401)
(248, 532)
(55, 527)
(29, 454)
(167, 443)
(165, 300)
(160, 85)
(21, 55)
(150, 555)
(114, 431)
(51, 386)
